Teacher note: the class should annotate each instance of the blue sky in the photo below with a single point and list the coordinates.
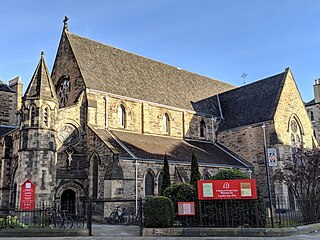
(218, 39)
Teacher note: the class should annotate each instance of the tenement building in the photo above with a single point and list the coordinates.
(313, 108)
(98, 127)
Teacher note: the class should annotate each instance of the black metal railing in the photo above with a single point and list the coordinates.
(251, 213)
(47, 215)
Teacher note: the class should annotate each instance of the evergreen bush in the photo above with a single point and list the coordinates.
(159, 212)
(182, 192)
(195, 174)
(166, 175)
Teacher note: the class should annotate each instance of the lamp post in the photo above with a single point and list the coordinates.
(136, 183)
(267, 172)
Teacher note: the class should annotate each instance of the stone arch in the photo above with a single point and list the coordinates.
(166, 122)
(149, 183)
(202, 128)
(46, 114)
(295, 130)
(77, 187)
(159, 180)
(297, 119)
(94, 165)
(122, 116)
(32, 115)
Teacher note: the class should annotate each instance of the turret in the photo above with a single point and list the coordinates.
(38, 134)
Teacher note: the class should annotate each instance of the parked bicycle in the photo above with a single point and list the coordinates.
(135, 218)
(60, 219)
(119, 216)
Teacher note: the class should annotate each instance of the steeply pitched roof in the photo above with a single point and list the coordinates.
(252, 103)
(116, 71)
(151, 147)
(41, 84)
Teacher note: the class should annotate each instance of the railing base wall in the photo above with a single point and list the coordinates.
(41, 232)
(230, 232)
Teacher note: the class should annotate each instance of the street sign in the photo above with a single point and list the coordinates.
(272, 157)
(27, 195)
(227, 189)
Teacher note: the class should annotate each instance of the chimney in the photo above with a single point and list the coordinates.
(316, 88)
(16, 85)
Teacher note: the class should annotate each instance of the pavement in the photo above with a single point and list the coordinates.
(114, 232)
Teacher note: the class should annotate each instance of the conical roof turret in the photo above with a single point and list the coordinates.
(41, 85)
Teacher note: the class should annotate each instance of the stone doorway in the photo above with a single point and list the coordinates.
(68, 201)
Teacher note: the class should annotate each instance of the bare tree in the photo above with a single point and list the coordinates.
(302, 176)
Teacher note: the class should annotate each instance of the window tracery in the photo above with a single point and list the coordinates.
(63, 91)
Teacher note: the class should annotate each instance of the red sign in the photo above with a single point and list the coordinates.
(27, 195)
(186, 209)
(227, 189)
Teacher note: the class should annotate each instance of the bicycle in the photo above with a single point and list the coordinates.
(135, 218)
(63, 220)
(119, 216)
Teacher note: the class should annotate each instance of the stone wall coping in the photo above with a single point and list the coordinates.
(230, 232)
(43, 232)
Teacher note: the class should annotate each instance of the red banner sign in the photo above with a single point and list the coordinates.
(27, 195)
(227, 189)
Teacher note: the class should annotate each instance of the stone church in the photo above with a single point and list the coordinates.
(99, 125)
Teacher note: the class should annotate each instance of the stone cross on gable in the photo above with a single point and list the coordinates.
(65, 23)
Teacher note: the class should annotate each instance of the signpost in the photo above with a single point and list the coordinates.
(27, 195)
(227, 189)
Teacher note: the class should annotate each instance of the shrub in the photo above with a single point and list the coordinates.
(181, 192)
(159, 212)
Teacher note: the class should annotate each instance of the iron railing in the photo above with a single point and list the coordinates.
(47, 215)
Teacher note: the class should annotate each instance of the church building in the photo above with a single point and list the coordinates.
(98, 127)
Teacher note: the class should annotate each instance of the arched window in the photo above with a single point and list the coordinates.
(202, 129)
(311, 116)
(160, 181)
(295, 135)
(46, 117)
(121, 116)
(149, 184)
(32, 115)
(166, 123)
(95, 177)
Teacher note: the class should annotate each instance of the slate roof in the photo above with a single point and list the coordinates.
(150, 147)
(252, 103)
(116, 71)
(310, 103)
(4, 87)
(5, 130)
(41, 84)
